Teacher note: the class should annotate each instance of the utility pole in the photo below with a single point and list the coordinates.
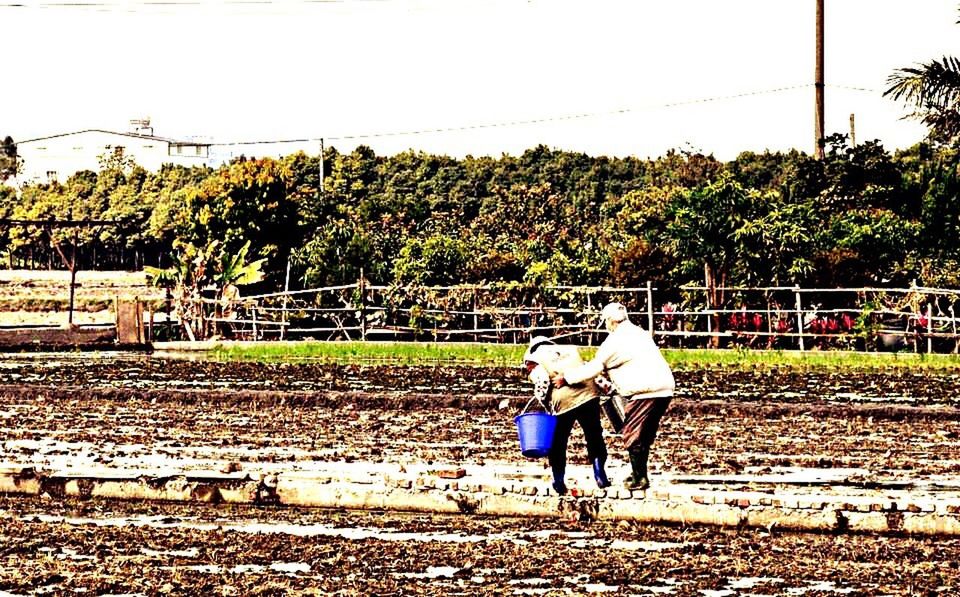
(321, 164)
(818, 87)
(853, 132)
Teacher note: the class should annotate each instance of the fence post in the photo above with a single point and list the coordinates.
(770, 338)
(253, 312)
(362, 287)
(168, 310)
(953, 327)
(476, 320)
(589, 308)
(650, 309)
(709, 315)
(283, 310)
(929, 328)
(799, 316)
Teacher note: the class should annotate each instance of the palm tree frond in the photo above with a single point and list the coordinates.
(933, 89)
(934, 84)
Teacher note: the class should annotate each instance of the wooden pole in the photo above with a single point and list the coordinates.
(953, 326)
(476, 321)
(769, 321)
(321, 165)
(283, 309)
(799, 317)
(73, 276)
(650, 309)
(362, 286)
(819, 87)
(714, 341)
(589, 308)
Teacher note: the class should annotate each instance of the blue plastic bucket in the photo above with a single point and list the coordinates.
(536, 433)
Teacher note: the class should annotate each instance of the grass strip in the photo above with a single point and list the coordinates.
(402, 353)
(508, 355)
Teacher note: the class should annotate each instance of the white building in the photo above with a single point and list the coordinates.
(57, 157)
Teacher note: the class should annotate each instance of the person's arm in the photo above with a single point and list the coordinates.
(582, 373)
(588, 370)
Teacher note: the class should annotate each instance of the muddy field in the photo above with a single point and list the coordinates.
(99, 411)
(153, 549)
(110, 411)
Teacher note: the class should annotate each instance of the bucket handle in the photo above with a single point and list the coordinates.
(529, 402)
(527, 405)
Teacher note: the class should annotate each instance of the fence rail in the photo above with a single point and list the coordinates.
(863, 318)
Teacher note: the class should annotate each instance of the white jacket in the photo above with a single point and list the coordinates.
(633, 362)
(551, 359)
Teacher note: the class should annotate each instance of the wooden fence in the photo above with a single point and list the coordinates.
(786, 317)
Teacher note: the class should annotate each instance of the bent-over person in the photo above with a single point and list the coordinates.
(573, 403)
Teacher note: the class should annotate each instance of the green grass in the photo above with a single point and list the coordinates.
(830, 359)
(489, 355)
(403, 353)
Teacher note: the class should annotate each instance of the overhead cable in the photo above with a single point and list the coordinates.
(513, 123)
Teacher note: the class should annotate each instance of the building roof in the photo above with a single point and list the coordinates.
(133, 135)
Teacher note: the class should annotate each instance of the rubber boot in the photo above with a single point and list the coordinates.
(638, 462)
(599, 474)
(558, 485)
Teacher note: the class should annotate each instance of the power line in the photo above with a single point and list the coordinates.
(513, 123)
(130, 3)
(854, 88)
(134, 6)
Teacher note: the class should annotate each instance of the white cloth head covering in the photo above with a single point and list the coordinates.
(535, 343)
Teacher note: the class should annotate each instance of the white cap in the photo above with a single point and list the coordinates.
(613, 312)
(535, 343)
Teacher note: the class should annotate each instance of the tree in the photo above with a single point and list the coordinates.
(940, 208)
(41, 202)
(116, 159)
(717, 229)
(197, 269)
(8, 201)
(877, 241)
(9, 161)
(703, 228)
(685, 168)
(639, 262)
(933, 89)
(337, 250)
(244, 201)
(434, 261)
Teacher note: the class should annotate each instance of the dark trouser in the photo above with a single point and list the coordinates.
(588, 415)
(641, 421)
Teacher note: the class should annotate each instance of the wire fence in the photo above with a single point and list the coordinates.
(785, 317)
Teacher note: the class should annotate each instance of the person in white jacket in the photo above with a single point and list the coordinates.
(573, 403)
(640, 374)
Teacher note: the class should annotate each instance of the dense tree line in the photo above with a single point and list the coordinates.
(862, 215)
(859, 216)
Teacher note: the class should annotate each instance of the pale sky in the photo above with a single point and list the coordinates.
(650, 76)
